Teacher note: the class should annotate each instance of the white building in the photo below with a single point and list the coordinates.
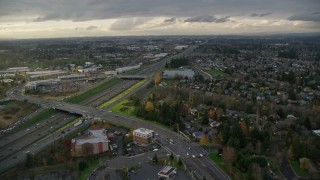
(182, 73)
(128, 68)
(143, 136)
(160, 55)
(167, 172)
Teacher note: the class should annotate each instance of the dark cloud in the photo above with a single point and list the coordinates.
(170, 20)
(84, 10)
(315, 16)
(208, 19)
(260, 15)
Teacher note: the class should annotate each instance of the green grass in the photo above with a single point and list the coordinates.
(35, 119)
(168, 81)
(75, 133)
(121, 95)
(123, 104)
(217, 74)
(218, 160)
(92, 164)
(296, 168)
(95, 90)
(275, 167)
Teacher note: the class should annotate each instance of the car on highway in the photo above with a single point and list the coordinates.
(28, 130)
(193, 156)
(201, 155)
(155, 150)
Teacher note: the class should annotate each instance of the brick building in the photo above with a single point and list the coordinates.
(143, 137)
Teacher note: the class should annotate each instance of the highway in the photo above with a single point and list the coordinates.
(201, 166)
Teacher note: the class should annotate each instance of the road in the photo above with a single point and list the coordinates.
(206, 169)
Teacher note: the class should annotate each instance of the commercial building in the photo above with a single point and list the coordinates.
(128, 68)
(35, 85)
(178, 73)
(143, 137)
(167, 173)
(72, 77)
(95, 142)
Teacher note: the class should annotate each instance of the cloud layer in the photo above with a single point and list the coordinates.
(157, 16)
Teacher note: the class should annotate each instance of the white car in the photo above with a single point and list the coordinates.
(201, 155)
(193, 156)
(155, 150)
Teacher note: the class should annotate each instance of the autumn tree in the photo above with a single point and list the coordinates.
(149, 106)
(204, 140)
(304, 163)
(229, 155)
(157, 78)
(212, 113)
(106, 124)
(244, 128)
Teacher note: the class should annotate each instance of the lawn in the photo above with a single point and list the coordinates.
(275, 167)
(218, 160)
(168, 81)
(92, 165)
(95, 90)
(121, 95)
(217, 74)
(296, 168)
(125, 107)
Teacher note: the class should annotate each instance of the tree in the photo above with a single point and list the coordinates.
(205, 119)
(155, 159)
(244, 128)
(171, 157)
(304, 163)
(157, 78)
(204, 140)
(228, 157)
(149, 106)
(212, 114)
(179, 162)
(106, 124)
(228, 154)
(82, 165)
(29, 161)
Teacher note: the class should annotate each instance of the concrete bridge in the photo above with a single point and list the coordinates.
(132, 77)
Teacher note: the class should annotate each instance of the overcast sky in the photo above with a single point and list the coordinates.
(74, 18)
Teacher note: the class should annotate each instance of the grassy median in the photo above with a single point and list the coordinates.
(121, 95)
(95, 90)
